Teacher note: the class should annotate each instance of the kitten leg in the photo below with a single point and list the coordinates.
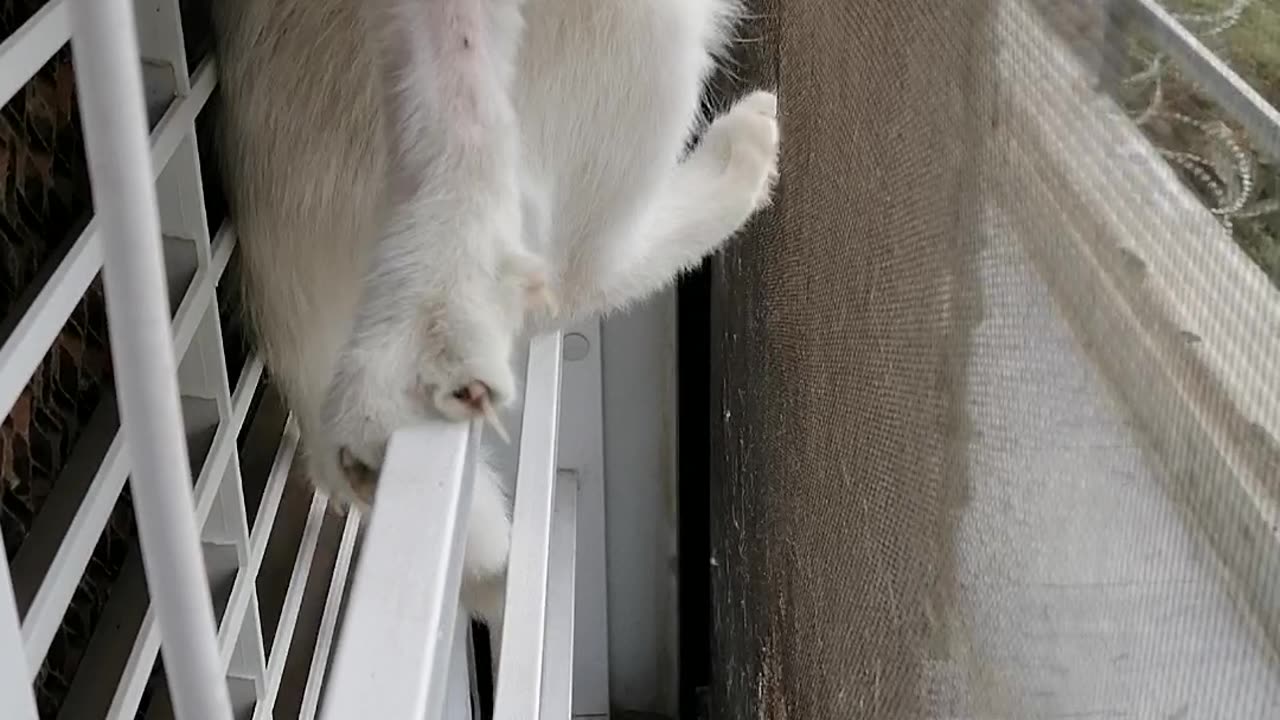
(709, 197)
(441, 306)
(489, 533)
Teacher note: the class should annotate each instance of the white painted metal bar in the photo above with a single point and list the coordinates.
(15, 687)
(160, 39)
(203, 371)
(581, 451)
(124, 704)
(395, 647)
(248, 658)
(24, 52)
(232, 528)
(178, 120)
(519, 692)
(210, 479)
(224, 243)
(458, 703)
(264, 519)
(473, 677)
(109, 84)
(137, 670)
(246, 386)
(292, 604)
(329, 620)
(1212, 76)
(243, 590)
(192, 309)
(557, 657)
(181, 196)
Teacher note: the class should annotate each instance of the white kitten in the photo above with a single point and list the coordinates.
(325, 182)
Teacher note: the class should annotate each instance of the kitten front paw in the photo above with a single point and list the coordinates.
(456, 369)
(525, 275)
(745, 142)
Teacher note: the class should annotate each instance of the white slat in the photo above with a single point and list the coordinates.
(394, 651)
(292, 605)
(15, 689)
(329, 620)
(242, 591)
(109, 85)
(458, 693)
(557, 658)
(24, 52)
(519, 692)
(137, 670)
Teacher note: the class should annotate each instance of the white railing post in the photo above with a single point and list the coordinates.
(559, 671)
(581, 456)
(109, 84)
(397, 642)
(518, 695)
(402, 652)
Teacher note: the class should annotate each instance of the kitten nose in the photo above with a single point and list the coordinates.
(474, 395)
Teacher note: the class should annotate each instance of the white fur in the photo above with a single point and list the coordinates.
(392, 244)
(445, 294)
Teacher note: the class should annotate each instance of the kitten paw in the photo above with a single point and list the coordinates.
(454, 365)
(528, 274)
(361, 478)
(472, 384)
(746, 140)
(761, 102)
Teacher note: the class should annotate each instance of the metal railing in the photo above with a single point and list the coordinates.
(405, 647)
(400, 640)
(124, 242)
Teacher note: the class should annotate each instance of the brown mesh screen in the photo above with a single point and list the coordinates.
(994, 400)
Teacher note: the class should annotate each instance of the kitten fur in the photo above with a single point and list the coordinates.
(392, 239)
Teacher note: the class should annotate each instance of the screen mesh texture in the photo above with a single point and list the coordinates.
(996, 380)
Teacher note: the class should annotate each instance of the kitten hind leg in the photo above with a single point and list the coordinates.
(484, 584)
(709, 197)
(437, 319)
(528, 274)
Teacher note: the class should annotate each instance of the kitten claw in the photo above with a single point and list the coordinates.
(491, 417)
(476, 396)
(362, 478)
